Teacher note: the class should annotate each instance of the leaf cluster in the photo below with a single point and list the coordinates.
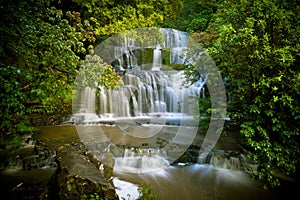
(95, 73)
(111, 17)
(257, 50)
(41, 50)
(194, 15)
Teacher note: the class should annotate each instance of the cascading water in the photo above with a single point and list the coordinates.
(156, 59)
(150, 99)
(88, 98)
(145, 91)
(153, 123)
(142, 160)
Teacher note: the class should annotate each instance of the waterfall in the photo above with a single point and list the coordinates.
(153, 113)
(148, 92)
(141, 160)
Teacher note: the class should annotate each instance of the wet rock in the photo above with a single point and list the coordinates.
(144, 144)
(77, 176)
(30, 162)
(39, 159)
(104, 162)
(193, 153)
(27, 146)
(31, 155)
(26, 150)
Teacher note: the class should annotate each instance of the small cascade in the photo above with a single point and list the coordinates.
(174, 41)
(177, 42)
(88, 98)
(124, 55)
(199, 86)
(156, 59)
(224, 159)
(138, 160)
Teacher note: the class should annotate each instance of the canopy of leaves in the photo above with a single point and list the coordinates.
(195, 15)
(40, 54)
(258, 53)
(110, 16)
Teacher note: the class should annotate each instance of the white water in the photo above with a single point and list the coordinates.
(156, 59)
(141, 160)
(194, 182)
(175, 41)
(144, 91)
(145, 94)
(224, 178)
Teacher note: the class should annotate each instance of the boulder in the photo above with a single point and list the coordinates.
(76, 176)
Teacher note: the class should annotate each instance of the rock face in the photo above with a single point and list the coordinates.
(77, 176)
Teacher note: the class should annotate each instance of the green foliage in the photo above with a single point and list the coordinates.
(146, 191)
(194, 15)
(174, 66)
(109, 17)
(204, 112)
(258, 53)
(95, 73)
(40, 54)
(11, 146)
(15, 143)
(94, 196)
